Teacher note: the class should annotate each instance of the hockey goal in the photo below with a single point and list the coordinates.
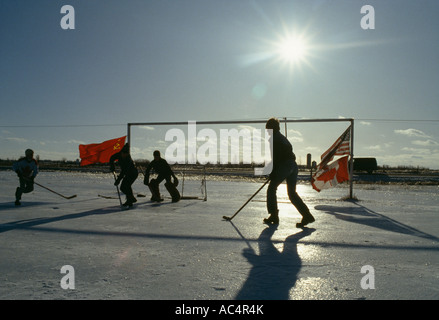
(226, 149)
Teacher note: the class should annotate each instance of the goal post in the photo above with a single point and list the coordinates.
(212, 128)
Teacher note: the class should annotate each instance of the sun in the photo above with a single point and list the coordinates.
(292, 49)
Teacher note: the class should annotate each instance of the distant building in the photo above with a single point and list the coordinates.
(308, 161)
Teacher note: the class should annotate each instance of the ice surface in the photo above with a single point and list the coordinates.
(185, 251)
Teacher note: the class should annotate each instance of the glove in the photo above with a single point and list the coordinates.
(175, 182)
(146, 181)
(116, 183)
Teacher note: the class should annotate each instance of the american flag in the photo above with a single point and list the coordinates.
(340, 147)
(328, 175)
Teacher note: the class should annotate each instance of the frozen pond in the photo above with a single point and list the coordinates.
(186, 251)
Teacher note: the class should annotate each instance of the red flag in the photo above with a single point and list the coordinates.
(330, 176)
(100, 152)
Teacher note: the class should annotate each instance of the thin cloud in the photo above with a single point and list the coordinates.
(412, 133)
(76, 141)
(15, 139)
(375, 147)
(425, 143)
(147, 128)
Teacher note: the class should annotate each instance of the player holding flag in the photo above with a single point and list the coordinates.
(108, 152)
(127, 175)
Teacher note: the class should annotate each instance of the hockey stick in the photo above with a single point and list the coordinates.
(71, 197)
(117, 187)
(230, 218)
(106, 197)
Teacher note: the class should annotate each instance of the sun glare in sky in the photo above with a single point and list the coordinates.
(292, 50)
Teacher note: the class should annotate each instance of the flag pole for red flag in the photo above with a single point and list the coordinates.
(351, 163)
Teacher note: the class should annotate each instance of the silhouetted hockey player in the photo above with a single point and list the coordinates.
(26, 169)
(284, 167)
(164, 171)
(127, 175)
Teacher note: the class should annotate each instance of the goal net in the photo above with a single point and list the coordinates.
(199, 151)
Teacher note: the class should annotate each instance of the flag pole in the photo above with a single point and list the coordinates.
(351, 163)
(129, 134)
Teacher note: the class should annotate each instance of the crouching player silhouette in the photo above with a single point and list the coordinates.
(164, 172)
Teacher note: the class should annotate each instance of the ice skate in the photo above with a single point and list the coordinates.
(129, 202)
(272, 219)
(305, 220)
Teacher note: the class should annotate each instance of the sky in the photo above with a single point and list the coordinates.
(209, 60)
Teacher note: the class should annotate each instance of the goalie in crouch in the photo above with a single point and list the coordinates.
(164, 171)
